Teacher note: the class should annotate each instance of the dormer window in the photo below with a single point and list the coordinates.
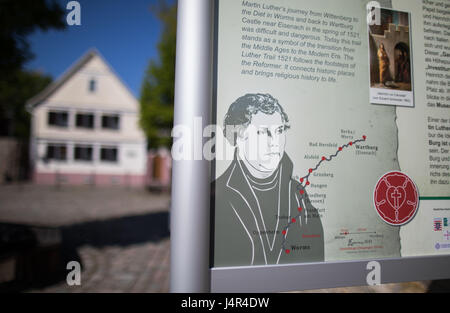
(92, 85)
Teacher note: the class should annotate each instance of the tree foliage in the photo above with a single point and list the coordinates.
(19, 18)
(14, 93)
(157, 91)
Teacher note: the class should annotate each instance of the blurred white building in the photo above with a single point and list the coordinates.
(85, 129)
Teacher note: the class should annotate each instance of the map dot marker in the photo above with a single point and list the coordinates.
(324, 158)
(294, 220)
(307, 183)
(301, 180)
(288, 251)
(350, 143)
(364, 137)
(302, 192)
(300, 209)
(340, 148)
(310, 170)
(284, 232)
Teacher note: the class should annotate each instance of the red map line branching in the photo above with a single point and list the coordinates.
(304, 181)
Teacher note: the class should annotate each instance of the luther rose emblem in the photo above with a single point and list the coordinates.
(396, 198)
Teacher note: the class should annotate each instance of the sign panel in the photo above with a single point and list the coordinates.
(334, 131)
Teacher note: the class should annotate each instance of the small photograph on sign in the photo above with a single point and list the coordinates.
(390, 56)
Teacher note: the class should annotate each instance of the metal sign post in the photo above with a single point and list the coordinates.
(190, 217)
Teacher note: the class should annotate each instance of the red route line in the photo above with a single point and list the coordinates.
(307, 183)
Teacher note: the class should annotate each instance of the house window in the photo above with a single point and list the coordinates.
(83, 153)
(58, 118)
(92, 85)
(110, 122)
(85, 120)
(108, 154)
(56, 152)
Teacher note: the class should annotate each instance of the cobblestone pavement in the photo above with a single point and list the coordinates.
(120, 236)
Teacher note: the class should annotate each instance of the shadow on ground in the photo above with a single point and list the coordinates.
(41, 262)
(439, 286)
(122, 231)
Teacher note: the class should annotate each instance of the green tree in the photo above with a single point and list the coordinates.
(157, 91)
(18, 19)
(14, 93)
(14, 118)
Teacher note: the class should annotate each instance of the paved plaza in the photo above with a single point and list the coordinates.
(120, 236)
(53, 206)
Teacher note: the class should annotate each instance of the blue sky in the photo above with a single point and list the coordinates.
(124, 31)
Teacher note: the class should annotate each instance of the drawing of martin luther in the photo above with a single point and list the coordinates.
(256, 197)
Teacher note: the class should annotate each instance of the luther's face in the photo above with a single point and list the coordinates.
(263, 142)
